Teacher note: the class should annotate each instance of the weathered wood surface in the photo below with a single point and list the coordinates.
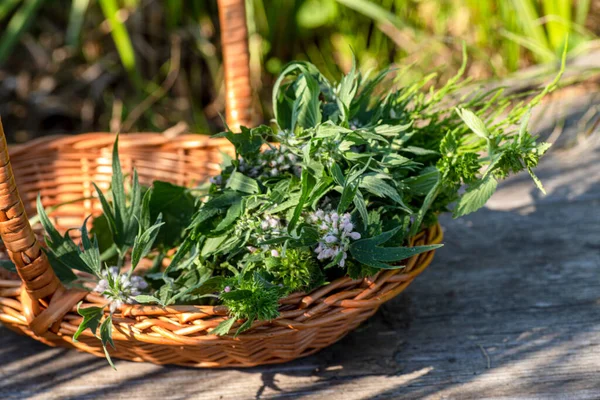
(510, 308)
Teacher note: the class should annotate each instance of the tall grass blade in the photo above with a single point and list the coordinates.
(121, 38)
(533, 31)
(6, 6)
(542, 52)
(582, 9)
(373, 11)
(18, 24)
(76, 18)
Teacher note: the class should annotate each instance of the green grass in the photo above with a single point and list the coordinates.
(134, 37)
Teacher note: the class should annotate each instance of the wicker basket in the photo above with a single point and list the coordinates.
(62, 169)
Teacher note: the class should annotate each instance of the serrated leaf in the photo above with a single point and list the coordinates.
(473, 122)
(368, 252)
(91, 319)
(377, 186)
(224, 327)
(282, 99)
(306, 111)
(143, 242)
(248, 142)
(329, 129)
(242, 183)
(62, 252)
(476, 196)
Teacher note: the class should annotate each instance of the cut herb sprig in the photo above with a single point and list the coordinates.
(337, 186)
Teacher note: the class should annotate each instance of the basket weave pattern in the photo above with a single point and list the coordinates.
(62, 169)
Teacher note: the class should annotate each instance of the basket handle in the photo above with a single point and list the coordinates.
(236, 61)
(39, 280)
(24, 250)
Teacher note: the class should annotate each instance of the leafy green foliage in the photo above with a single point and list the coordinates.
(123, 218)
(91, 319)
(64, 254)
(253, 299)
(176, 205)
(368, 251)
(338, 187)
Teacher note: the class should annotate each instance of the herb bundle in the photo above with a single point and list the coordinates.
(346, 174)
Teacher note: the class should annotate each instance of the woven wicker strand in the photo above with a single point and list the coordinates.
(236, 61)
(61, 169)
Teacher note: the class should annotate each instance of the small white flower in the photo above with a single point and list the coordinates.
(227, 289)
(330, 239)
(274, 253)
(123, 290)
(336, 233)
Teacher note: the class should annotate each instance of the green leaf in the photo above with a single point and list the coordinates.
(233, 213)
(91, 319)
(248, 142)
(473, 122)
(476, 196)
(308, 184)
(144, 241)
(338, 175)
(244, 327)
(91, 252)
(368, 251)
(424, 182)
(431, 196)
(117, 188)
(63, 253)
(212, 245)
(361, 206)
(306, 111)
(224, 327)
(146, 213)
(419, 151)
(145, 299)
(536, 180)
(348, 195)
(347, 89)
(106, 338)
(377, 186)
(19, 23)
(108, 212)
(176, 205)
(281, 99)
(243, 183)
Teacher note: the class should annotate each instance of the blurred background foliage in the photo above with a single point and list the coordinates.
(135, 65)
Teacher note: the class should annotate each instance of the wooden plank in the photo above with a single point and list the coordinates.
(510, 308)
